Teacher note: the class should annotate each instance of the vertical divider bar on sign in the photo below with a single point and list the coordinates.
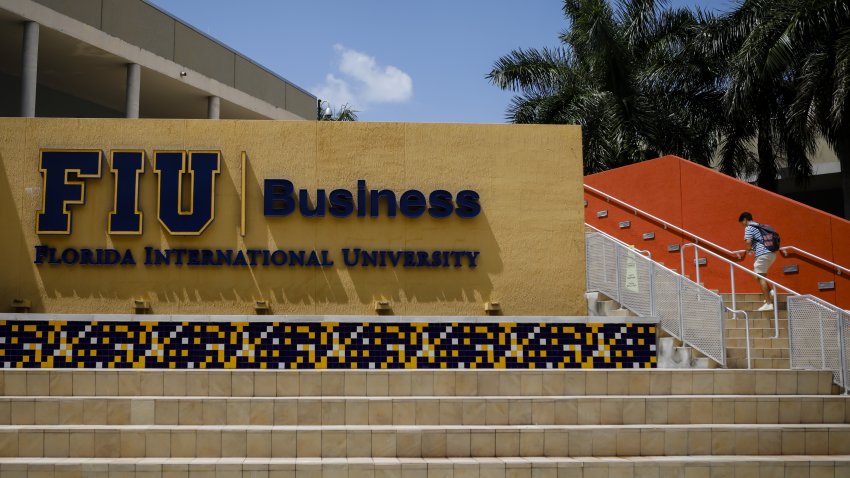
(242, 195)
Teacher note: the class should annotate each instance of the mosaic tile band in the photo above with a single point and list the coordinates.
(320, 345)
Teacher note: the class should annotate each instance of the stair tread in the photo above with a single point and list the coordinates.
(707, 396)
(766, 426)
(407, 460)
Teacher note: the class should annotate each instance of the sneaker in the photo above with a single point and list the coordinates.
(764, 307)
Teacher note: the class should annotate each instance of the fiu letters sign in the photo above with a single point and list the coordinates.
(185, 206)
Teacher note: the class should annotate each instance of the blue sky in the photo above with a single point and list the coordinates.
(420, 61)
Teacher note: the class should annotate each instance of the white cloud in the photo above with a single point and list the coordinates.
(363, 82)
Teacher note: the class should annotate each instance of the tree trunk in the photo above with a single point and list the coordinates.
(845, 185)
(842, 150)
(767, 161)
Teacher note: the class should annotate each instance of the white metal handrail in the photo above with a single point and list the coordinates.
(732, 267)
(737, 254)
(596, 230)
(820, 301)
(838, 268)
(667, 225)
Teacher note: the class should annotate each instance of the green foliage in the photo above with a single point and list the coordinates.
(344, 113)
(788, 72)
(754, 87)
(626, 75)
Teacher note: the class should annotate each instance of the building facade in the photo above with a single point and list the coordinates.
(127, 58)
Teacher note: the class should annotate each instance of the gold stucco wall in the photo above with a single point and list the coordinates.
(530, 231)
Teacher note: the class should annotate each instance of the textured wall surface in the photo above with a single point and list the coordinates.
(529, 233)
(321, 345)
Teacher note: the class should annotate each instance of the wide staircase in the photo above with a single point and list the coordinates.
(423, 423)
(767, 350)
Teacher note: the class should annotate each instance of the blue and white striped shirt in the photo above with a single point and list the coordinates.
(751, 232)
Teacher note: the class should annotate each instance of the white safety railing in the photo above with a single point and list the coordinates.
(732, 267)
(686, 310)
(825, 337)
(818, 331)
(819, 334)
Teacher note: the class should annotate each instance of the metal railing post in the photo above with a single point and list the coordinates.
(679, 294)
(681, 308)
(619, 292)
(775, 314)
(732, 282)
(696, 264)
(652, 310)
(722, 317)
(822, 344)
(747, 333)
(842, 351)
(792, 356)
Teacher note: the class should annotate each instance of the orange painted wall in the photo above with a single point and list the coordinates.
(707, 203)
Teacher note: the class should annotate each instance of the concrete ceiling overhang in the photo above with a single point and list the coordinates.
(82, 70)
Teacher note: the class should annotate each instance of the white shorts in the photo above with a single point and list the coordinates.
(763, 262)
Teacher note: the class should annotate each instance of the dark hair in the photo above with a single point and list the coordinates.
(745, 215)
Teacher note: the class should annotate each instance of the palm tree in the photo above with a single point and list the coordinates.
(816, 46)
(755, 102)
(788, 82)
(627, 76)
(344, 113)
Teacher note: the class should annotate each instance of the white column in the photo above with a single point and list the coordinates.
(134, 82)
(213, 107)
(29, 69)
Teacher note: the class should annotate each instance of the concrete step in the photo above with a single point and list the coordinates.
(759, 342)
(493, 467)
(756, 318)
(751, 297)
(152, 382)
(672, 356)
(755, 323)
(329, 411)
(752, 310)
(738, 352)
(420, 441)
(758, 363)
(740, 333)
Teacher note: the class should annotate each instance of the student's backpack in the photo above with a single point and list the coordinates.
(769, 237)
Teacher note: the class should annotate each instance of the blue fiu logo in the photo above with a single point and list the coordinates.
(64, 173)
(60, 188)
(126, 218)
(170, 166)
